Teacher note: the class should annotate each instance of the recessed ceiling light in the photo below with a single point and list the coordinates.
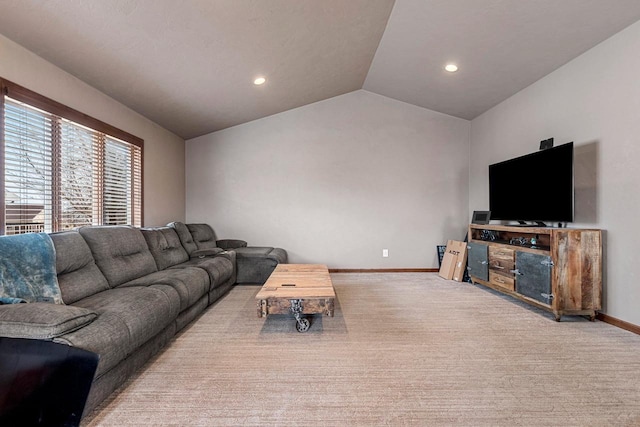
(452, 68)
(259, 81)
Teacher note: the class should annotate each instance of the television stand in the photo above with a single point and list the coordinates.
(556, 269)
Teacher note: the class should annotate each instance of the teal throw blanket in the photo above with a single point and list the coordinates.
(28, 269)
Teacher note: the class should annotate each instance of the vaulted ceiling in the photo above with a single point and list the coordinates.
(190, 65)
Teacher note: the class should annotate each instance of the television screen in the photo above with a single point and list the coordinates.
(535, 187)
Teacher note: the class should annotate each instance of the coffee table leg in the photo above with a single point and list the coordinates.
(302, 323)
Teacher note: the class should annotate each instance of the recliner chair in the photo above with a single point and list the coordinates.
(254, 263)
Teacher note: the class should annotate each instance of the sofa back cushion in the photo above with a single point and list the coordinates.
(121, 252)
(185, 236)
(164, 244)
(203, 235)
(78, 274)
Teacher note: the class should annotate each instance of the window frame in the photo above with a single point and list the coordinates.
(22, 94)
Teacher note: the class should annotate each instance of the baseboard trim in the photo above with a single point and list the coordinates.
(619, 323)
(383, 270)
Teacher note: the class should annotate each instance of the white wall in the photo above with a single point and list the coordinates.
(163, 151)
(337, 181)
(594, 101)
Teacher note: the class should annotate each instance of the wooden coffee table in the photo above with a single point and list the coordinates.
(297, 289)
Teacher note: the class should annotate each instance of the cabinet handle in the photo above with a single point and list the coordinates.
(483, 262)
(516, 272)
(498, 266)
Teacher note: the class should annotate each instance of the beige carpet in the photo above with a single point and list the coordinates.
(402, 349)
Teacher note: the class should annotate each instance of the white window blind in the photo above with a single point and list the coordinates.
(117, 183)
(79, 176)
(59, 174)
(27, 169)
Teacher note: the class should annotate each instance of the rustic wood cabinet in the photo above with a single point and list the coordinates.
(557, 269)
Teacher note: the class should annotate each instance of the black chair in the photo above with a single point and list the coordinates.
(43, 383)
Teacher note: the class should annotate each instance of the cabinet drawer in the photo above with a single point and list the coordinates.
(501, 259)
(503, 254)
(501, 280)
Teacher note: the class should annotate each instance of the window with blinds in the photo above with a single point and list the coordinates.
(27, 169)
(59, 174)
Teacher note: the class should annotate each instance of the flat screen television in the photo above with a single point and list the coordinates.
(536, 187)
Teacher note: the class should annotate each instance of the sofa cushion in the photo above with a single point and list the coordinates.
(78, 274)
(220, 268)
(127, 318)
(254, 251)
(185, 236)
(277, 254)
(42, 320)
(164, 244)
(121, 252)
(255, 264)
(203, 236)
(190, 283)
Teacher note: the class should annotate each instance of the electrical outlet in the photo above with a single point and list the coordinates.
(385, 253)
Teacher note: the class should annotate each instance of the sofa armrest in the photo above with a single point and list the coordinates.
(230, 255)
(42, 320)
(231, 243)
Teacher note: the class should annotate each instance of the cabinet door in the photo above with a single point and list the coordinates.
(478, 261)
(533, 276)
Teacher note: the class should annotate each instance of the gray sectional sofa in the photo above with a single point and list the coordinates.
(255, 263)
(127, 291)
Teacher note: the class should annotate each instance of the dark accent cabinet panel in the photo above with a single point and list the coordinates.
(478, 260)
(533, 273)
